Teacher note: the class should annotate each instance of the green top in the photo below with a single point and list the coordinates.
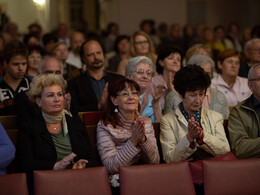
(62, 144)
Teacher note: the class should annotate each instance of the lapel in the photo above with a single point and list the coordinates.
(180, 117)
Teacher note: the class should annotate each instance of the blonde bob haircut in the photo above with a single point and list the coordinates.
(45, 80)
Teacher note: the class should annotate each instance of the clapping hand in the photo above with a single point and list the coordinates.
(138, 132)
(194, 130)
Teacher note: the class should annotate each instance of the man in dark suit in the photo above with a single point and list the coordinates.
(89, 90)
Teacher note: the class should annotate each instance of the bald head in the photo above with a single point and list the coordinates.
(50, 64)
(76, 40)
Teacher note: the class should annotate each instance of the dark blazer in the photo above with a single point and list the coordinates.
(83, 97)
(36, 149)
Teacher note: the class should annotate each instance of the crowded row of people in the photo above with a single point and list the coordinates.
(195, 98)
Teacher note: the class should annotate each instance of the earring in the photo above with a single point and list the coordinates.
(116, 110)
(39, 105)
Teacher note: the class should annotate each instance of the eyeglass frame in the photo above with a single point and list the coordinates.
(141, 72)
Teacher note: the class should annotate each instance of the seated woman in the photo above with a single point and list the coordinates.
(7, 150)
(51, 138)
(235, 88)
(192, 131)
(140, 69)
(123, 136)
(214, 99)
(167, 64)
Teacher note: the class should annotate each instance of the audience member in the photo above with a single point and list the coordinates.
(109, 40)
(31, 39)
(235, 88)
(233, 35)
(213, 100)
(188, 37)
(192, 131)
(62, 34)
(51, 138)
(36, 53)
(7, 150)
(140, 69)
(141, 45)
(252, 52)
(167, 64)
(220, 38)
(12, 29)
(61, 51)
(243, 123)
(175, 37)
(35, 28)
(89, 90)
(13, 81)
(196, 49)
(49, 40)
(76, 40)
(123, 136)
(199, 29)
(163, 32)
(147, 26)
(122, 45)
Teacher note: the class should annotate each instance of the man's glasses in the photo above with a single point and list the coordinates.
(254, 79)
(141, 72)
(127, 94)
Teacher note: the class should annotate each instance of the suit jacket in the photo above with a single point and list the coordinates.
(36, 149)
(83, 97)
(174, 141)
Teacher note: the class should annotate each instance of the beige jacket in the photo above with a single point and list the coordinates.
(173, 136)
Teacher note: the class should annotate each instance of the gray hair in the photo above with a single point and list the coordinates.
(251, 71)
(250, 42)
(49, 57)
(137, 60)
(199, 60)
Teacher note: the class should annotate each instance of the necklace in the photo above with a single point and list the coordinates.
(54, 128)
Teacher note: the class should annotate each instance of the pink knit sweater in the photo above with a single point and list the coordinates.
(116, 149)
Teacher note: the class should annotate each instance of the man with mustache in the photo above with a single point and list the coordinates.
(89, 90)
(13, 80)
(76, 40)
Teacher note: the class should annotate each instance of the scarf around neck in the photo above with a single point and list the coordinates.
(57, 119)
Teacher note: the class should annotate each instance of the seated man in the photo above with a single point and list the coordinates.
(243, 123)
(13, 80)
(89, 90)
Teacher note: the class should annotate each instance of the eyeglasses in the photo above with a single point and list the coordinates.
(126, 94)
(141, 72)
(256, 50)
(141, 42)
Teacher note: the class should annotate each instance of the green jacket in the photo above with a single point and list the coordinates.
(243, 127)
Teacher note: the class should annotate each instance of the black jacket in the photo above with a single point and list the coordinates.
(83, 95)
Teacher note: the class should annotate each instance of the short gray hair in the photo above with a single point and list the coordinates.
(49, 57)
(251, 71)
(250, 42)
(137, 60)
(200, 59)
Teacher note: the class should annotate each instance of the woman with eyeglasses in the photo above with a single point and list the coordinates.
(235, 88)
(124, 137)
(36, 53)
(140, 69)
(140, 45)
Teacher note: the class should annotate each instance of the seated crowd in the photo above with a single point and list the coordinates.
(190, 86)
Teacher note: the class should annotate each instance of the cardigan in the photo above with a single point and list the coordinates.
(174, 141)
(116, 149)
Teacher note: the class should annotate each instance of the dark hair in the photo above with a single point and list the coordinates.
(163, 51)
(14, 48)
(191, 78)
(49, 37)
(119, 39)
(110, 117)
(219, 27)
(224, 55)
(36, 48)
(28, 36)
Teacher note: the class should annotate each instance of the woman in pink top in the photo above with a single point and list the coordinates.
(167, 64)
(235, 88)
(124, 137)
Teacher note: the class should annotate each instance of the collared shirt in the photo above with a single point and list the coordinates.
(196, 115)
(239, 91)
(98, 85)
